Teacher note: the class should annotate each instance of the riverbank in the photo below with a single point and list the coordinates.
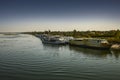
(113, 36)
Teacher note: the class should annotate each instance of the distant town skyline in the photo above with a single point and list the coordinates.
(59, 15)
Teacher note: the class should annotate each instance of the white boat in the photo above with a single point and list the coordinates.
(67, 39)
(47, 39)
(115, 47)
(90, 43)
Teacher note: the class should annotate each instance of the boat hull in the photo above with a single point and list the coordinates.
(55, 43)
(46, 41)
(90, 43)
(91, 47)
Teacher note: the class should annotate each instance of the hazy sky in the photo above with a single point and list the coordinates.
(60, 15)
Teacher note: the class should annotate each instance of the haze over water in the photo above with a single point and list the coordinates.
(24, 57)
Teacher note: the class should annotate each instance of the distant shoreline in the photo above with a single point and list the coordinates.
(113, 36)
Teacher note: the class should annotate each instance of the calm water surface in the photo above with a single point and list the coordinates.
(24, 57)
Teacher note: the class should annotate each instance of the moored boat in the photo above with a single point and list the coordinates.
(67, 39)
(115, 47)
(90, 43)
(47, 39)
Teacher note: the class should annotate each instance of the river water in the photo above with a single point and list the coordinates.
(24, 57)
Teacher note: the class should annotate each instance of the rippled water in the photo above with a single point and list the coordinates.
(24, 57)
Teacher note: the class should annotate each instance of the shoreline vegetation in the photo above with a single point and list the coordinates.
(113, 36)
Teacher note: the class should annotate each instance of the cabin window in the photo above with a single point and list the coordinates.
(98, 41)
(78, 40)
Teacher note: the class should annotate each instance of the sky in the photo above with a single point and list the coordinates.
(59, 15)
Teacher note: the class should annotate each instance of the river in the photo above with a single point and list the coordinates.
(24, 57)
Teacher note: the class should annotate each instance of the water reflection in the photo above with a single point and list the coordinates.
(55, 50)
(53, 47)
(96, 53)
(90, 52)
(115, 53)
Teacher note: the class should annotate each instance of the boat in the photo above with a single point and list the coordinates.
(48, 39)
(115, 47)
(93, 43)
(67, 39)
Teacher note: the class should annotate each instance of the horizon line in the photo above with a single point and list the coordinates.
(56, 30)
